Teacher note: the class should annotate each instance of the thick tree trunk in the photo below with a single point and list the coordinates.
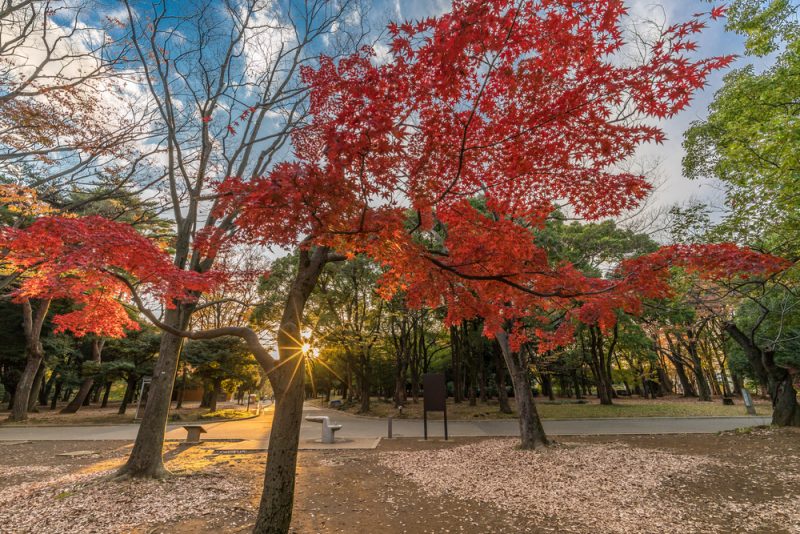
(32, 325)
(277, 498)
(38, 380)
(364, 383)
(145, 460)
(530, 425)
(665, 385)
(19, 410)
(86, 385)
(275, 508)
(215, 389)
(785, 407)
(547, 386)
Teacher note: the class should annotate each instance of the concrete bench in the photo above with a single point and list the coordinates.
(327, 428)
(193, 433)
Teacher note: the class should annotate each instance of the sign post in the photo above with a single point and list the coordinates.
(748, 402)
(142, 395)
(434, 398)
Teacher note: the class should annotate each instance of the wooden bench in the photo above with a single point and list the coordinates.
(327, 428)
(193, 433)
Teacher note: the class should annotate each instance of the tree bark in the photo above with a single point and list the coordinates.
(530, 425)
(600, 366)
(32, 324)
(127, 397)
(365, 390)
(674, 357)
(106, 393)
(44, 393)
(456, 357)
(56, 393)
(277, 498)
(86, 385)
(215, 389)
(145, 460)
(500, 370)
(779, 380)
(182, 389)
(36, 388)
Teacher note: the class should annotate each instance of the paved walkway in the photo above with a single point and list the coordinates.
(362, 427)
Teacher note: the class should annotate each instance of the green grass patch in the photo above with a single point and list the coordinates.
(566, 409)
(227, 414)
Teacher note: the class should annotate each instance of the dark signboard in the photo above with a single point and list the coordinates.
(434, 398)
(434, 392)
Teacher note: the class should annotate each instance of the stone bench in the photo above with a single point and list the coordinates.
(193, 433)
(327, 428)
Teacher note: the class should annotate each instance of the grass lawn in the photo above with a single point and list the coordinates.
(94, 415)
(567, 409)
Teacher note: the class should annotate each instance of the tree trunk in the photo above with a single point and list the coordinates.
(106, 394)
(674, 356)
(500, 370)
(182, 390)
(414, 384)
(205, 400)
(145, 460)
(401, 366)
(785, 408)
(86, 385)
(703, 389)
(89, 396)
(275, 508)
(96, 394)
(364, 377)
(576, 384)
(44, 393)
(456, 356)
(530, 425)
(56, 393)
(32, 325)
(36, 388)
(215, 388)
(599, 366)
(665, 385)
(127, 397)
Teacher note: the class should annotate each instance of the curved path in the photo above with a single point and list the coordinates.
(363, 427)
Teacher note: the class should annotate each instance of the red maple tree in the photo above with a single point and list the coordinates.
(441, 163)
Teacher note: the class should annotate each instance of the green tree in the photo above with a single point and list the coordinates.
(750, 140)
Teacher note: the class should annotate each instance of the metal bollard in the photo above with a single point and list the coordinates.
(390, 427)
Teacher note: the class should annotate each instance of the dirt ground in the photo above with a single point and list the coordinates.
(730, 482)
